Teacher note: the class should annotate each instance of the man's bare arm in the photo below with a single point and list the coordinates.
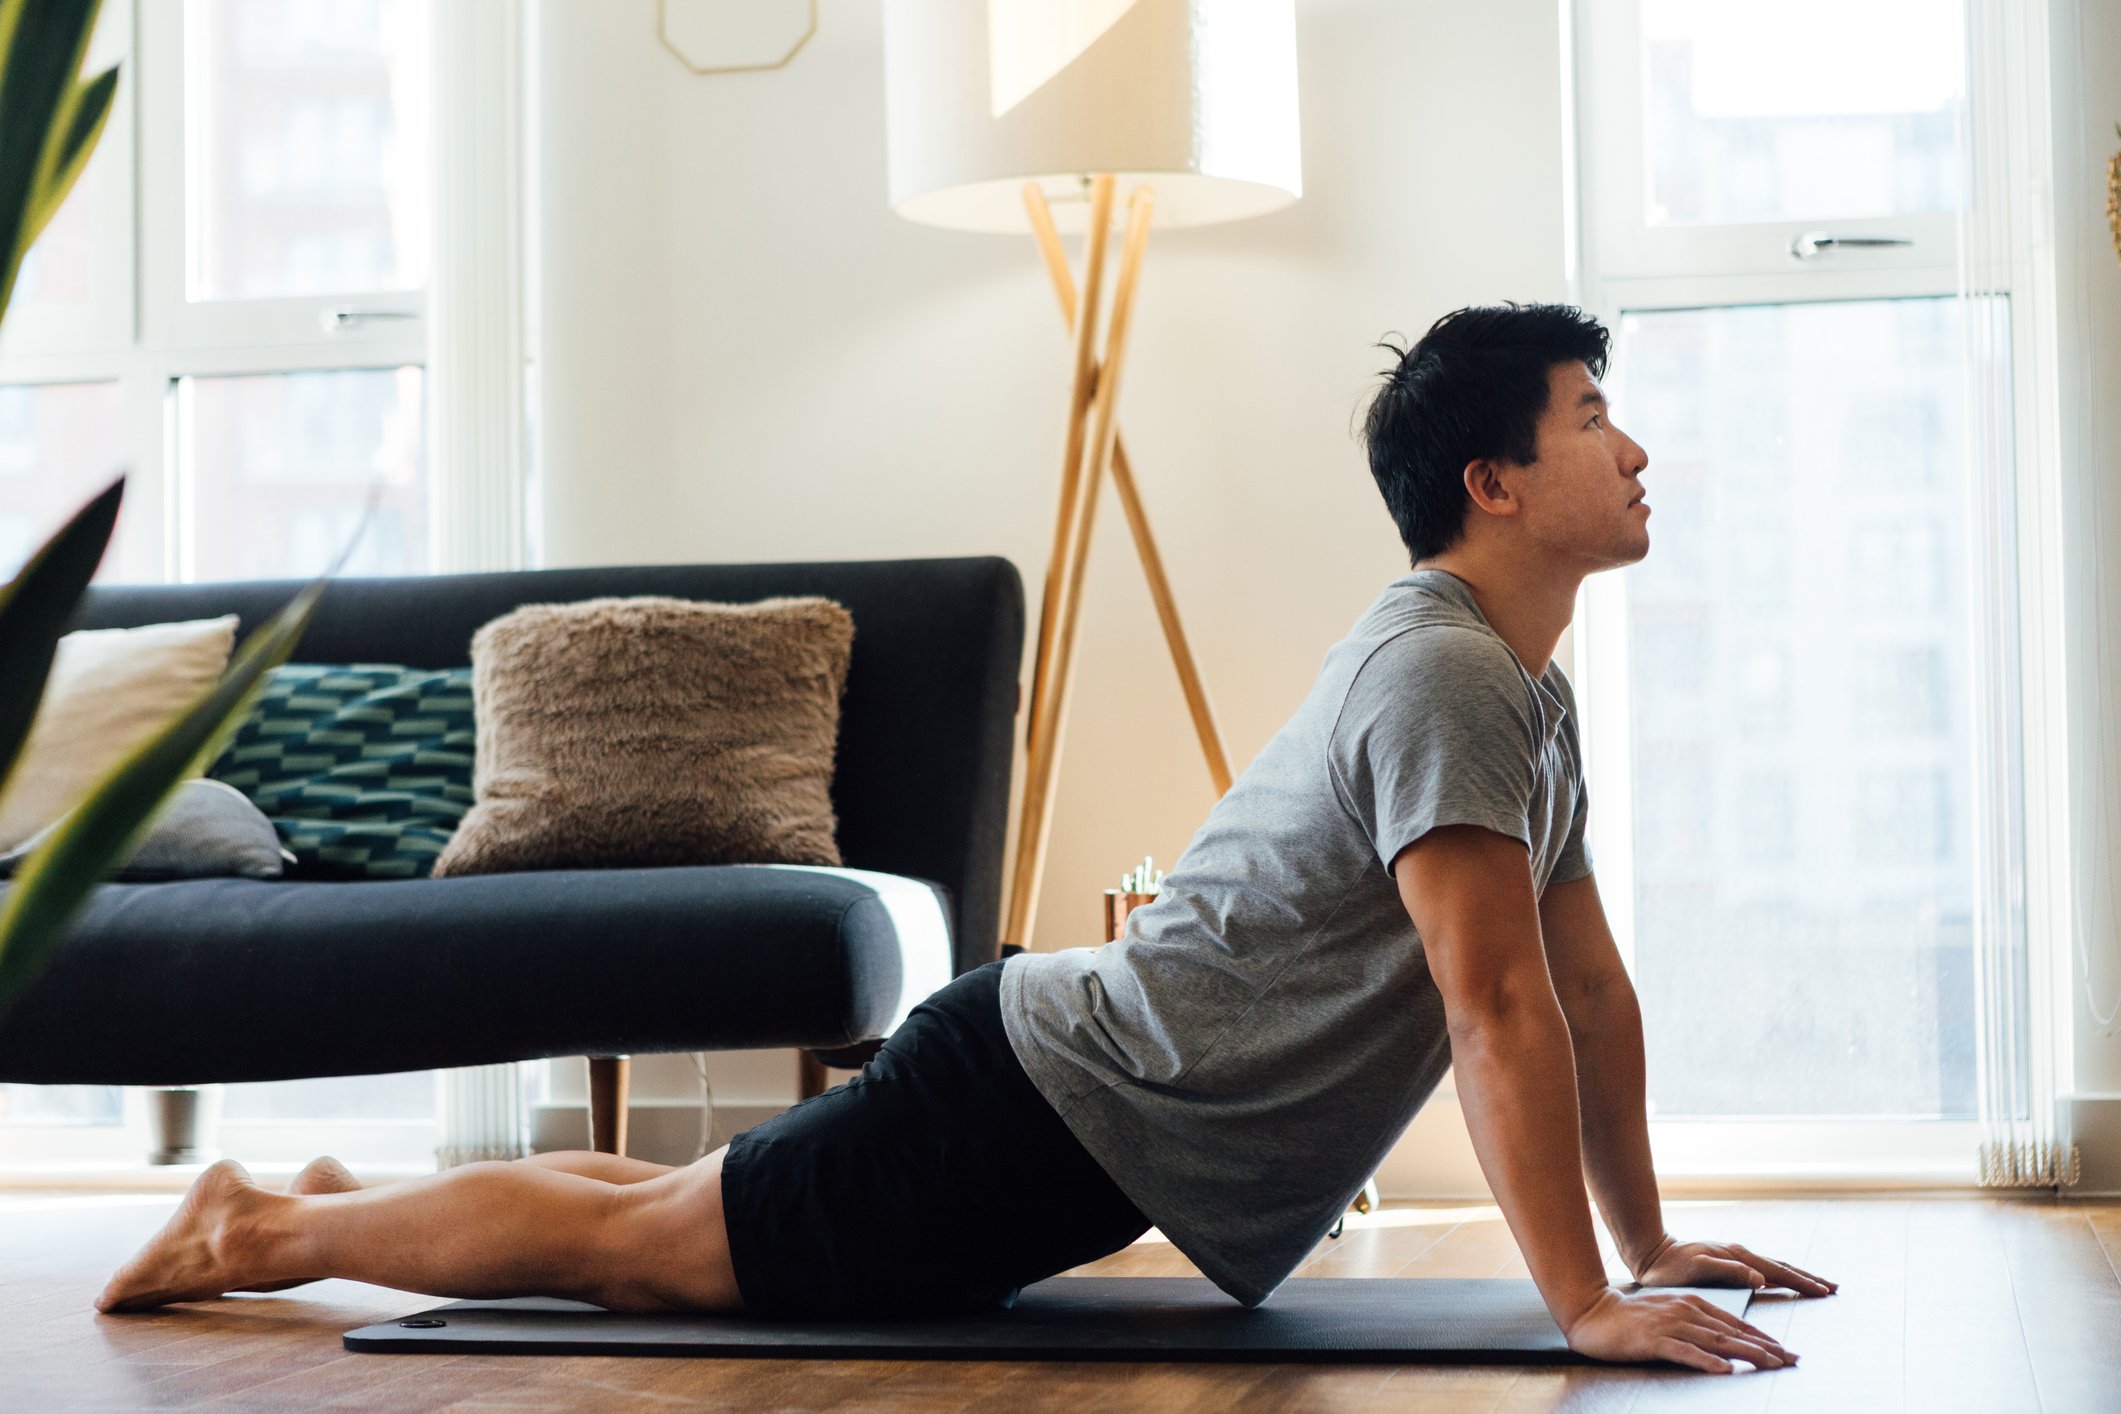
(1605, 1031)
(1469, 893)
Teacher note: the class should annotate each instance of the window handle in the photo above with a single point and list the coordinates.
(1812, 243)
(345, 316)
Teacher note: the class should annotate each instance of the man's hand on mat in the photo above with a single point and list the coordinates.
(1681, 1328)
(1675, 1263)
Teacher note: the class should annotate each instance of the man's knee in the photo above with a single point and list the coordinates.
(666, 1245)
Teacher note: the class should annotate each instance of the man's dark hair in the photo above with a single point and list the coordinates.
(1474, 387)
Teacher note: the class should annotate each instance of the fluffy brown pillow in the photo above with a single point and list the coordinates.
(632, 732)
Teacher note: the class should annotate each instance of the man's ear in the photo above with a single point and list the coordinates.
(1490, 491)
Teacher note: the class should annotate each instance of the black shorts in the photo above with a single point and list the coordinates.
(937, 1181)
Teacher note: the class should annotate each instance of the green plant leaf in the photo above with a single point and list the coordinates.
(54, 882)
(35, 609)
(86, 118)
(42, 46)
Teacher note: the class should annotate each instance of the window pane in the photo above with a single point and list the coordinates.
(1749, 116)
(407, 1095)
(59, 270)
(306, 134)
(280, 468)
(61, 443)
(1801, 702)
(61, 1104)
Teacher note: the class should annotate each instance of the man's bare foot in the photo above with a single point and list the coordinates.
(323, 1175)
(319, 1175)
(188, 1259)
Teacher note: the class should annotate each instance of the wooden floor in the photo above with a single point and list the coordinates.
(1945, 1304)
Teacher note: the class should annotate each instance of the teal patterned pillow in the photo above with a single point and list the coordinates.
(364, 770)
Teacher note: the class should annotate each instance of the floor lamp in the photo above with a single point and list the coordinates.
(1008, 114)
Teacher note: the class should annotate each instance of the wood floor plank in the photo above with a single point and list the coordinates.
(2069, 1306)
(1477, 1247)
(1945, 1305)
(1850, 1345)
(1152, 1256)
(1381, 1243)
(1963, 1349)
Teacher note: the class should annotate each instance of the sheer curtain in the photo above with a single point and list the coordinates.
(475, 427)
(481, 1110)
(2024, 1140)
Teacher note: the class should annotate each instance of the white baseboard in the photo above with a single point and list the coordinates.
(2095, 1120)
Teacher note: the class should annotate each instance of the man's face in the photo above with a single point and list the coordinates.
(1582, 498)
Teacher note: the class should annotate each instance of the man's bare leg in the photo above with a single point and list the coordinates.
(482, 1230)
(323, 1174)
(327, 1175)
(612, 1168)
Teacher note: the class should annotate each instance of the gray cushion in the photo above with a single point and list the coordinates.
(207, 831)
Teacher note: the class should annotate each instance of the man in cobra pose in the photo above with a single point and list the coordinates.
(1398, 884)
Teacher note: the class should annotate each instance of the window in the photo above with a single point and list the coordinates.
(59, 444)
(284, 469)
(231, 308)
(1784, 699)
(264, 172)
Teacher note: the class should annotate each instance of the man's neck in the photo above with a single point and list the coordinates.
(1528, 610)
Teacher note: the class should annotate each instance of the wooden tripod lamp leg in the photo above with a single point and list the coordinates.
(1211, 741)
(1189, 679)
(1035, 808)
(1050, 708)
(1079, 398)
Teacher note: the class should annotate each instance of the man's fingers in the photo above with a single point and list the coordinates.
(1795, 1278)
(1764, 1354)
(1734, 1273)
(1682, 1352)
(1710, 1312)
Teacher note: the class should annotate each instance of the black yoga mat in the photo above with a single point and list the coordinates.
(1317, 1319)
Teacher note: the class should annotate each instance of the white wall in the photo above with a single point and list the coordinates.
(2087, 81)
(746, 356)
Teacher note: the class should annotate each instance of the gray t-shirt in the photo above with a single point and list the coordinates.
(1244, 1058)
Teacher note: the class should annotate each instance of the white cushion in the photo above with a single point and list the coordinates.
(923, 929)
(110, 689)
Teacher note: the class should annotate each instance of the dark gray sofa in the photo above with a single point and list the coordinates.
(234, 980)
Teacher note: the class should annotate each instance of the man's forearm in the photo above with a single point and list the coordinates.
(1606, 1035)
(1513, 1068)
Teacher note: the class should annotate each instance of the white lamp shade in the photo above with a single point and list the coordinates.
(1195, 97)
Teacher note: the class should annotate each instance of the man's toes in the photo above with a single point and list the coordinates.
(180, 1263)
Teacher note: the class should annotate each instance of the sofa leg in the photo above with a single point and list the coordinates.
(609, 1077)
(810, 1075)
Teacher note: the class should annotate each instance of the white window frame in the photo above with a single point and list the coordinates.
(1625, 265)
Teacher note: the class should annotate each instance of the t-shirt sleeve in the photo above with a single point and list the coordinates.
(1436, 729)
(1574, 861)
